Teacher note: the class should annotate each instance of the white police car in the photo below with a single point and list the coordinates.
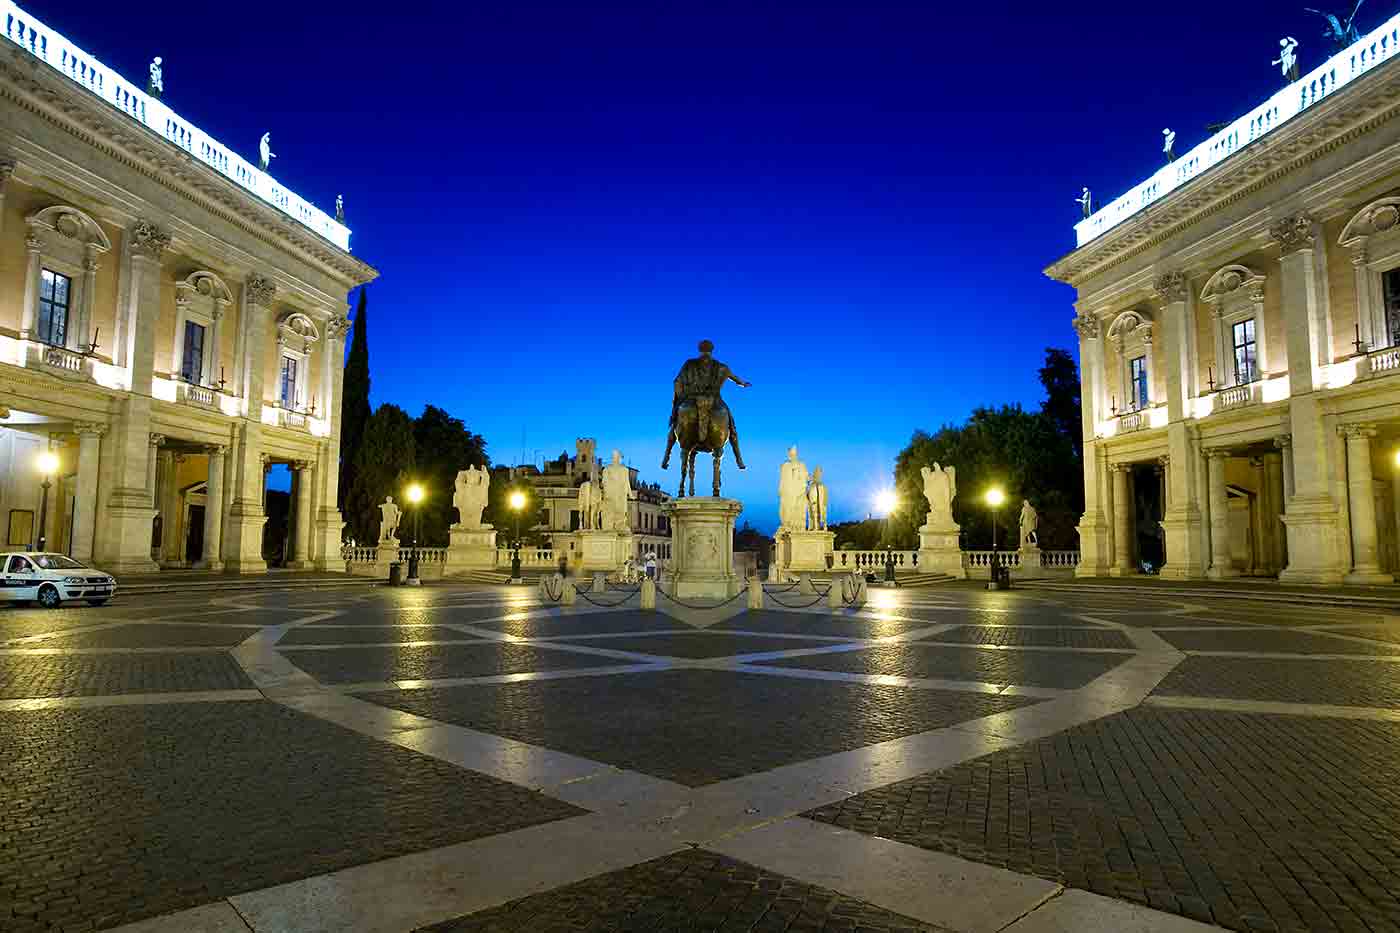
(49, 579)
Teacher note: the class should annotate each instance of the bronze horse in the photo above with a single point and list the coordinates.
(691, 443)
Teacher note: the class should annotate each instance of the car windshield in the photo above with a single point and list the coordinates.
(57, 562)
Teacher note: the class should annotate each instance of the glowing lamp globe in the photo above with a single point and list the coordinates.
(517, 500)
(995, 497)
(48, 463)
(885, 501)
(415, 494)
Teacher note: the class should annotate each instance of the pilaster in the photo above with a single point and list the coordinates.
(1221, 565)
(1361, 495)
(246, 516)
(301, 492)
(85, 492)
(125, 545)
(212, 559)
(1311, 513)
(1122, 521)
(147, 246)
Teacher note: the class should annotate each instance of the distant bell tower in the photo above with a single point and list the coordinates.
(586, 457)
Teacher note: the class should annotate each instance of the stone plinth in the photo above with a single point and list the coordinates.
(939, 551)
(1029, 565)
(702, 535)
(807, 551)
(603, 551)
(470, 549)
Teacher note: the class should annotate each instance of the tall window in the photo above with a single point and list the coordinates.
(1242, 337)
(287, 392)
(192, 360)
(1392, 307)
(55, 295)
(1138, 371)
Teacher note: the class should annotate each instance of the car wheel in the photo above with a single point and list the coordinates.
(48, 596)
(97, 602)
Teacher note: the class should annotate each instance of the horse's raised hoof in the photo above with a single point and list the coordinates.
(665, 461)
(739, 463)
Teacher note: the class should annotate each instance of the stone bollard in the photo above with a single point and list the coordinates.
(804, 585)
(833, 595)
(755, 592)
(570, 594)
(600, 582)
(648, 593)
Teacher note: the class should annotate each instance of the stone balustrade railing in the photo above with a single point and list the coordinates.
(49, 46)
(426, 555)
(983, 559)
(359, 555)
(1347, 65)
(64, 360)
(1237, 396)
(873, 560)
(529, 557)
(1383, 362)
(1059, 559)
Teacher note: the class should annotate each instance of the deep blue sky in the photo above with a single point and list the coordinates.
(853, 200)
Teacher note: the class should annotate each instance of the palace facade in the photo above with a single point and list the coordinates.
(1238, 317)
(172, 323)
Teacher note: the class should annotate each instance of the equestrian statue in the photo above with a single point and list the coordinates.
(700, 421)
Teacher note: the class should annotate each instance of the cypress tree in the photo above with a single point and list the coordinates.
(354, 399)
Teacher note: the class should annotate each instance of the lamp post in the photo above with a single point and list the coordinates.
(885, 502)
(414, 494)
(48, 466)
(517, 502)
(994, 498)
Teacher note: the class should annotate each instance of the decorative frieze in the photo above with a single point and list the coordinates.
(1171, 286)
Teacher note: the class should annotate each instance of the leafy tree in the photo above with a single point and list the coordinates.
(749, 538)
(866, 535)
(442, 446)
(354, 400)
(1060, 377)
(383, 467)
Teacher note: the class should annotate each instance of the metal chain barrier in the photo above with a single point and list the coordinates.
(605, 605)
(739, 595)
(821, 595)
(547, 586)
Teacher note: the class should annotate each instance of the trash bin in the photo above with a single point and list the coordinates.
(413, 566)
(395, 573)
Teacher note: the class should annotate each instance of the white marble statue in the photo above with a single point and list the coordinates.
(156, 86)
(340, 208)
(792, 492)
(1169, 144)
(265, 153)
(617, 490)
(1086, 203)
(469, 497)
(816, 502)
(389, 515)
(940, 487)
(589, 500)
(1030, 520)
(1287, 58)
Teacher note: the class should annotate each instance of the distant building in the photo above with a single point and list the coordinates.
(555, 486)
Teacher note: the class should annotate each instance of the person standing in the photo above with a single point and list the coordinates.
(651, 565)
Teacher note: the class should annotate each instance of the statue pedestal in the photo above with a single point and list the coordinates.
(470, 549)
(388, 554)
(1030, 561)
(603, 551)
(939, 551)
(807, 551)
(702, 556)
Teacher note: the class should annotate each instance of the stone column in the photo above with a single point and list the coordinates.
(1296, 237)
(1361, 493)
(171, 540)
(152, 459)
(85, 493)
(1221, 566)
(1273, 483)
(325, 542)
(246, 514)
(1122, 520)
(301, 550)
(79, 336)
(148, 244)
(34, 245)
(214, 510)
(258, 296)
(7, 168)
(1094, 531)
(1258, 549)
(216, 343)
(1284, 443)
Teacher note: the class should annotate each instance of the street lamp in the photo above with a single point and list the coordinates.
(994, 499)
(517, 502)
(885, 502)
(414, 494)
(48, 466)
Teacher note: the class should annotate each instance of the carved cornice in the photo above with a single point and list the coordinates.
(149, 240)
(49, 95)
(260, 291)
(1362, 430)
(1171, 287)
(89, 429)
(1366, 103)
(1293, 233)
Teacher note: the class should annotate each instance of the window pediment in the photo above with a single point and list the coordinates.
(296, 330)
(1233, 286)
(1131, 328)
(1380, 216)
(71, 225)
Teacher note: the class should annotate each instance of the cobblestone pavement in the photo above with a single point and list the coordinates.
(693, 890)
(696, 727)
(1229, 761)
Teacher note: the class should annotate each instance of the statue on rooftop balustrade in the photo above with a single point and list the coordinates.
(340, 208)
(1341, 34)
(265, 153)
(1287, 58)
(1169, 144)
(156, 85)
(1086, 203)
